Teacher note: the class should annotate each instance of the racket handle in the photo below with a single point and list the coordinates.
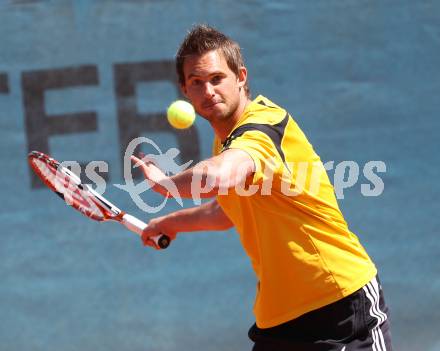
(137, 226)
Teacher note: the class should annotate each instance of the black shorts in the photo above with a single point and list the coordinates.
(356, 322)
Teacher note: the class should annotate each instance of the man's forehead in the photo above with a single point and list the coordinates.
(208, 63)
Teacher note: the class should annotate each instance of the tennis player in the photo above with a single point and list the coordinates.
(317, 287)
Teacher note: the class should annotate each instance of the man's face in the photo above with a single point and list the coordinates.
(212, 88)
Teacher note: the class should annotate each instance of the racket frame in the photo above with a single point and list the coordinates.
(105, 206)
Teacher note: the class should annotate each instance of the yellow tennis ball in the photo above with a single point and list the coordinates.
(181, 114)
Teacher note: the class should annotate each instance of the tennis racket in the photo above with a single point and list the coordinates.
(83, 198)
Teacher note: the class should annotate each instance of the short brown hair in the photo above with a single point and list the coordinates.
(202, 39)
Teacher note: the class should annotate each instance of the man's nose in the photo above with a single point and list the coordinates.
(208, 89)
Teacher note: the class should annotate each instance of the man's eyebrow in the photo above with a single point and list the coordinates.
(192, 75)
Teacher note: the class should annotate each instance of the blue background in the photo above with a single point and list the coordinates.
(362, 79)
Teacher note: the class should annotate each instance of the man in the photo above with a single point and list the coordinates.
(317, 286)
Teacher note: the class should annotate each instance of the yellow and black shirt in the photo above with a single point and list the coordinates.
(289, 222)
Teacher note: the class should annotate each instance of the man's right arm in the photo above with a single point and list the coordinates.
(208, 216)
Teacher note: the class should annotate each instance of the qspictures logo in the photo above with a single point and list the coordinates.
(164, 161)
(290, 179)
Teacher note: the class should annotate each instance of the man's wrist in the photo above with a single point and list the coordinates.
(167, 188)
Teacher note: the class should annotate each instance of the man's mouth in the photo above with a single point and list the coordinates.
(210, 104)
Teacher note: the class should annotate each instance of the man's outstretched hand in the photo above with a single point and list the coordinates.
(158, 180)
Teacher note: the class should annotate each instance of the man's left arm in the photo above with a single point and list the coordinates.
(205, 179)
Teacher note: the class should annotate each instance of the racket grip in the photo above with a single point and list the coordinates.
(136, 225)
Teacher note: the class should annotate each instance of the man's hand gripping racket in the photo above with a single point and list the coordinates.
(83, 198)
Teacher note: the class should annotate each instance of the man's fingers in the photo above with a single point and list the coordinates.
(137, 161)
(142, 162)
(146, 158)
(150, 242)
(145, 237)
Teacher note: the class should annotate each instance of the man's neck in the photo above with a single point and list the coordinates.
(223, 128)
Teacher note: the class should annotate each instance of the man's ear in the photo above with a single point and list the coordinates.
(242, 76)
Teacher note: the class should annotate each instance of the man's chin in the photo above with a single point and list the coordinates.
(213, 114)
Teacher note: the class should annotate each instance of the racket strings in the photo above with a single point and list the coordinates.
(68, 186)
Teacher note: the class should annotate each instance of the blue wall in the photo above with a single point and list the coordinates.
(362, 79)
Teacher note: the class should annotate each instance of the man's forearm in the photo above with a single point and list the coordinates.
(201, 181)
(208, 216)
(221, 172)
(206, 179)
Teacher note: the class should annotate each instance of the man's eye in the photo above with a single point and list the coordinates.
(216, 79)
(196, 82)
